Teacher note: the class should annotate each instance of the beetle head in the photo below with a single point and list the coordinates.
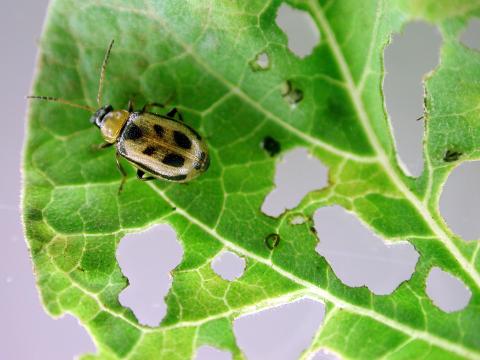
(97, 118)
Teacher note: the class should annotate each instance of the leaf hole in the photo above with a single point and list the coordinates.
(326, 354)
(260, 62)
(470, 36)
(297, 219)
(207, 352)
(146, 259)
(296, 175)
(302, 33)
(285, 331)
(291, 94)
(228, 266)
(360, 258)
(460, 200)
(407, 59)
(447, 291)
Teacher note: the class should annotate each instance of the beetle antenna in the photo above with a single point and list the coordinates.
(102, 74)
(62, 101)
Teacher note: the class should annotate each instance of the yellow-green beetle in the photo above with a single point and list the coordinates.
(160, 145)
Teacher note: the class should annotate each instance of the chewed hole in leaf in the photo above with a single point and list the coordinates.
(324, 354)
(460, 200)
(146, 259)
(357, 256)
(296, 175)
(260, 62)
(407, 59)
(75, 338)
(284, 332)
(446, 291)
(300, 29)
(291, 94)
(297, 219)
(210, 353)
(228, 265)
(470, 36)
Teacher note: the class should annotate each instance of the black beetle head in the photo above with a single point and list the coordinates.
(97, 118)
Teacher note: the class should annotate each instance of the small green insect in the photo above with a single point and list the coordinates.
(158, 145)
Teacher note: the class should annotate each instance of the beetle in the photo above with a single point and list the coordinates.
(158, 146)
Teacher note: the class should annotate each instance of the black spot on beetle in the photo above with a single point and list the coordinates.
(271, 145)
(174, 160)
(182, 140)
(174, 178)
(133, 132)
(159, 130)
(272, 240)
(149, 150)
(451, 155)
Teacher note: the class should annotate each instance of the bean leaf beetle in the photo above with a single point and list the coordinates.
(158, 146)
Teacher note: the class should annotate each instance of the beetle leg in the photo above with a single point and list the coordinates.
(104, 145)
(131, 105)
(174, 112)
(101, 146)
(122, 171)
(148, 106)
(140, 176)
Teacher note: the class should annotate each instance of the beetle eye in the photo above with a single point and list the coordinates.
(93, 118)
(97, 118)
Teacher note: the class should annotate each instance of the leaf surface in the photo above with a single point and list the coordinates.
(199, 53)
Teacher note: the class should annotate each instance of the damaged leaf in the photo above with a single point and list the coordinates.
(198, 54)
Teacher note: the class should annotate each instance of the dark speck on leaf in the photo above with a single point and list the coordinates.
(291, 94)
(451, 155)
(33, 214)
(271, 146)
(272, 240)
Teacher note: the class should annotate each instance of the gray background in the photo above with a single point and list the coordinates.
(355, 254)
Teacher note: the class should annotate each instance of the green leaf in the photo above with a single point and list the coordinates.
(201, 52)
